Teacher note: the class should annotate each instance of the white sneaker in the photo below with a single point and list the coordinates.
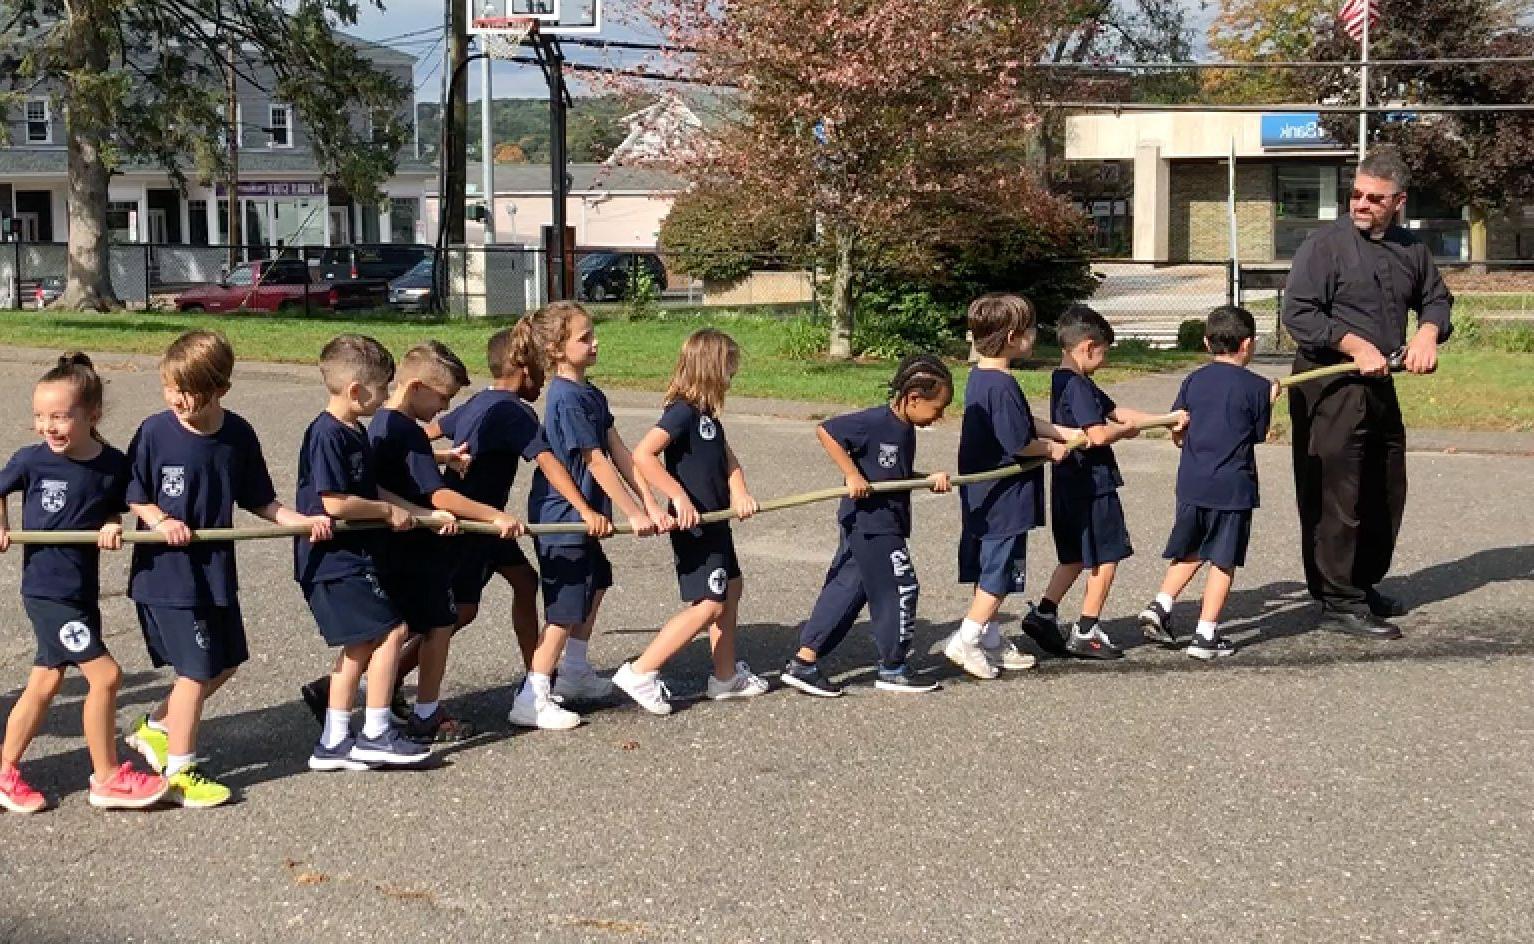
(645, 688)
(529, 712)
(745, 684)
(969, 657)
(1007, 656)
(581, 683)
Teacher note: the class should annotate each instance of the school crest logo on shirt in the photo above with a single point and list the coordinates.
(900, 563)
(707, 428)
(172, 480)
(200, 635)
(718, 580)
(75, 636)
(889, 454)
(55, 492)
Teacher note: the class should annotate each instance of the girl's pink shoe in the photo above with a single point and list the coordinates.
(128, 789)
(16, 795)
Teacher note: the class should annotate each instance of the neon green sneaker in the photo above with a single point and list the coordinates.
(191, 788)
(151, 742)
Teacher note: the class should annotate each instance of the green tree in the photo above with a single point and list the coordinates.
(1254, 30)
(143, 81)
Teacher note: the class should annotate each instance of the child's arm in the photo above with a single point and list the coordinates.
(449, 521)
(597, 525)
(1044, 429)
(615, 474)
(1051, 449)
(276, 512)
(109, 537)
(462, 506)
(857, 486)
(355, 508)
(177, 534)
(5, 527)
(741, 499)
(651, 471)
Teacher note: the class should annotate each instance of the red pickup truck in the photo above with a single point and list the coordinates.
(283, 285)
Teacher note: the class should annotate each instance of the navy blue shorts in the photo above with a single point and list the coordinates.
(705, 562)
(68, 632)
(350, 610)
(1089, 532)
(1219, 537)
(423, 597)
(571, 575)
(481, 557)
(199, 642)
(995, 565)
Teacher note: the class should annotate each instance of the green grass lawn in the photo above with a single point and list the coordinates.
(634, 354)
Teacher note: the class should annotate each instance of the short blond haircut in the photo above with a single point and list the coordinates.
(702, 376)
(200, 364)
(994, 317)
(431, 362)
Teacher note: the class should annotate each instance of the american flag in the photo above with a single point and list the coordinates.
(1352, 17)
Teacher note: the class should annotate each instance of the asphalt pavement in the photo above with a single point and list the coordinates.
(1312, 788)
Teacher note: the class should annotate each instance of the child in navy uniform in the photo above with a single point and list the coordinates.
(873, 564)
(573, 570)
(499, 430)
(1087, 518)
(996, 516)
(699, 474)
(71, 480)
(191, 465)
(1229, 409)
(419, 574)
(340, 578)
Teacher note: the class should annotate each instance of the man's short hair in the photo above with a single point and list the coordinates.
(1386, 163)
(996, 315)
(355, 358)
(1083, 323)
(1226, 327)
(431, 362)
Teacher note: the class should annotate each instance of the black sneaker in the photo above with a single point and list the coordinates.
(1201, 648)
(1384, 607)
(1093, 645)
(1156, 625)
(400, 711)
(438, 728)
(903, 680)
(809, 679)
(1045, 632)
(316, 695)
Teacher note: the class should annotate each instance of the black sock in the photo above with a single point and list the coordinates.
(1047, 607)
(801, 663)
(1086, 624)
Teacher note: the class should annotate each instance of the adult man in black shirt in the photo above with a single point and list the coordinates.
(1346, 299)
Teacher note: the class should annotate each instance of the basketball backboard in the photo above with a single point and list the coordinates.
(573, 17)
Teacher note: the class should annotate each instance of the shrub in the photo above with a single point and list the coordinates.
(642, 300)
(805, 338)
(1190, 335)
(892, 324)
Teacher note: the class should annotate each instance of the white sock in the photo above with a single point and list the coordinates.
(175, 763)
(575, 653)
(970, 632)
(158, 725)
(1207, 630)
(538, 686)
(338, 724)
(1165, 601)
(425, 709)
(991, 637)
(375, 723)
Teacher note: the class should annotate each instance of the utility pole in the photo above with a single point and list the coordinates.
(487, 147)
(454, 151)
(559, 188)
(232, 139)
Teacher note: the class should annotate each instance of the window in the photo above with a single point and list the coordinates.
(122, 221)
(403, 214)
(1306, 197)
(241, 276)
(197, 217)
(39, 121)
(280, 127)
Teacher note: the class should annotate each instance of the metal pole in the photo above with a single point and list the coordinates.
(457, 106)
(559, 189)
(1232, 289)
(232, 126)
(1363, 84)
(487, 147)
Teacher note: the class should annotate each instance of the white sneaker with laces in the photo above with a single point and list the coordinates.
(534, 712)
(581, 683)
(646, 688)
(1007, 656)
(969, 657)
(745, 684)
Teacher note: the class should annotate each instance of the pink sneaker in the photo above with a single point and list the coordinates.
(128, 789)
(16, 795)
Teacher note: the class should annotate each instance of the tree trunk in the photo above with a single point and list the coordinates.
(89, 283)
(840, 348)
(1478, 239)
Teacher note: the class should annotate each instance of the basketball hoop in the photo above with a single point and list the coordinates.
(501, 37)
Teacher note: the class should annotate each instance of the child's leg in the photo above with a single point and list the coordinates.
(678, 632)
(721, 635)
(352, 663)
(100, 714)
(183, 712)
(893, 590)
(841, 599)
(27, 714)
(383, 668)
(466, 615)
(524, 607)
(1060, 583)
(1179, 575)
(432, 669)
(1216, 592)
(550, 646)
(1099, 582)
(409, 661)
(983, 607)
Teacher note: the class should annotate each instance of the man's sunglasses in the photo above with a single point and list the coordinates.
(1376, 199)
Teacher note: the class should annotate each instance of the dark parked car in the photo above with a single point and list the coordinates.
(603, 276)
(386, 261)
(415, 290)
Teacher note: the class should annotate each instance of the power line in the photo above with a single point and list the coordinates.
(436, 64)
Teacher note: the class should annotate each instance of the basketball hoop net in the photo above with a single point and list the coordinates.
(500, 37)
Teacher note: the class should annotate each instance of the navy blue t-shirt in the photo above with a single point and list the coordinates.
(198, 480)
(500, 431)
(884, 448)
(404, 464)
(997, 425)
(335, 458)
(64, 494)
(575, 418)
(1074, 400)
(696, 455)
(1228, 415)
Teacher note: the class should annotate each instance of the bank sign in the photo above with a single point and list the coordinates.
(1296, 130)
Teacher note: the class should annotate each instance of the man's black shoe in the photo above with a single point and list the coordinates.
(316, 696)
(1045, 632)
(1384, 607)
(1366, 625)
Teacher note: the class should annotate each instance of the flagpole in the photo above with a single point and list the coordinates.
(1363, 85)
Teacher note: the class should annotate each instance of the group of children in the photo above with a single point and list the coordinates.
(388, 592)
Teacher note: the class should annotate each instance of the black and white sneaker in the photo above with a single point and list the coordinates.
(808, 678)
(1092, 645)
(1156, 625)
(1045, 631)
(1206, 649)
(903, 680)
